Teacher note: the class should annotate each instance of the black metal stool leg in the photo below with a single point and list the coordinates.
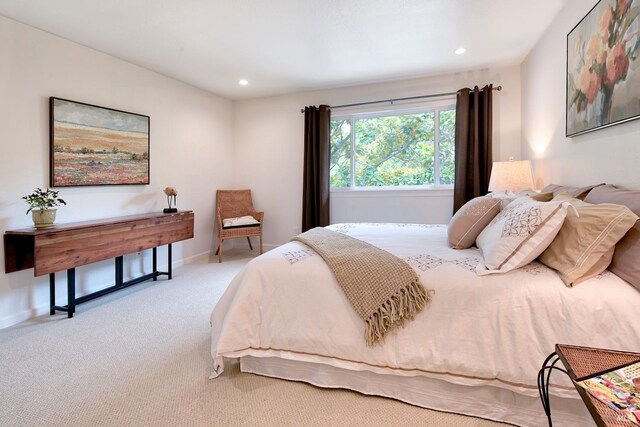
(544, 377)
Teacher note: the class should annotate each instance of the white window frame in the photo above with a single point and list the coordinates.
(447, 103)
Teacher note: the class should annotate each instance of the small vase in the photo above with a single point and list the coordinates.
(43, 218)
(607, 98)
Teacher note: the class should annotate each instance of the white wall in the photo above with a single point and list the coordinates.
(268, 139)
(607, 155)
(191, 148)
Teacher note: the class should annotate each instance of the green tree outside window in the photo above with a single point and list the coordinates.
(394, 150)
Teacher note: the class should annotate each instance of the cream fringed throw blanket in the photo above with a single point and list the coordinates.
(383, 289)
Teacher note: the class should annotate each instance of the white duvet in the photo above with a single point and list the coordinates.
(490, 330)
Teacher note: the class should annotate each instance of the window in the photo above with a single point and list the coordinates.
(393, 148)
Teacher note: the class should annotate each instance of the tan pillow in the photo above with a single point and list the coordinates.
(470, 220)
(625, 262)
(539, 197)
(519, 234)
(585, 243)
(577, 192)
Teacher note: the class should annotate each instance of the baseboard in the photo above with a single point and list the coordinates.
(16, 318)
(40, 310)
(188, 260)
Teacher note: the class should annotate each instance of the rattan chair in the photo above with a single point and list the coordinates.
(234, 204)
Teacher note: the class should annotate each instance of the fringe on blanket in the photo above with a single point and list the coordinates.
(395, 311)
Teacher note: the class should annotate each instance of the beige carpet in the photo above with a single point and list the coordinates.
(141, 357)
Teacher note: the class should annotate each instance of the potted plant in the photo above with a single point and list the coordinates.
(42, 206)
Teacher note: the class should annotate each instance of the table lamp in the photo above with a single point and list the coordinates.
(513, 175)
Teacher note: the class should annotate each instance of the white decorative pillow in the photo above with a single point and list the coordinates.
(519, 234)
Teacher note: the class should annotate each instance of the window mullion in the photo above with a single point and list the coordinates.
(353, 153)
(436, 148)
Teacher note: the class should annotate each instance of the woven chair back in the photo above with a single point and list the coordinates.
(234, 203)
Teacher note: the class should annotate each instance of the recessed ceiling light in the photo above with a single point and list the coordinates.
(243, 82)
(460, 51)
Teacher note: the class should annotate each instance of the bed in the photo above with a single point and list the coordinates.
(475, 349)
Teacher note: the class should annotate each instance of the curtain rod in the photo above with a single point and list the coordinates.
(435, 95)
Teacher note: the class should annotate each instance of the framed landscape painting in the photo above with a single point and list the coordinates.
(603, 70)
(93, 145)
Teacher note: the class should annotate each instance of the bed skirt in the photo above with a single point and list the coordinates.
(479, 401)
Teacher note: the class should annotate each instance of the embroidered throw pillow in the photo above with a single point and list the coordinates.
(519, 234)
(470, 220)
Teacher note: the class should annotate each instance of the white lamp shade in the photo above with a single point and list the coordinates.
(511, 176)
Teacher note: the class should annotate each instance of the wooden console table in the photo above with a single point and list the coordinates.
(67, 246)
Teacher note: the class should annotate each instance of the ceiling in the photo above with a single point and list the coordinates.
(283, 46)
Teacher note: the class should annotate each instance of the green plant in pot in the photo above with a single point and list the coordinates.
(42, 205)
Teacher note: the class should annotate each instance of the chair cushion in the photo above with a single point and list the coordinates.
(243, 221)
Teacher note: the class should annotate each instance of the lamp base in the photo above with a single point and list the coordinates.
(169, 210)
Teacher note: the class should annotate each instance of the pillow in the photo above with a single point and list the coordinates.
(613, 194)
(505, 197)
(577, 192)
(585, 244)
(519, 233)
(540, 197)
(625, 259)
(470, 220)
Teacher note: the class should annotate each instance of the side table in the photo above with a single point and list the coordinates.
(582, 363)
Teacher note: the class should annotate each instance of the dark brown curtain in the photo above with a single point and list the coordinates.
(317, 159)
(473, 144)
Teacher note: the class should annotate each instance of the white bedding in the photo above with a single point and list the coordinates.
(479, 330)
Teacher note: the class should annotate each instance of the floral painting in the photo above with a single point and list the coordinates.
(93, 145)
(603, 79)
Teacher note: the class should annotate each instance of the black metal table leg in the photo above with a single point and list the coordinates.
(544, 376)
(71, 292)
(169, 268)
(119, 270)
(72, 301)
(155, 264)
(52, 293)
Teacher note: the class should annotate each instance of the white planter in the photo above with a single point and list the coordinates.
(43, 218)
